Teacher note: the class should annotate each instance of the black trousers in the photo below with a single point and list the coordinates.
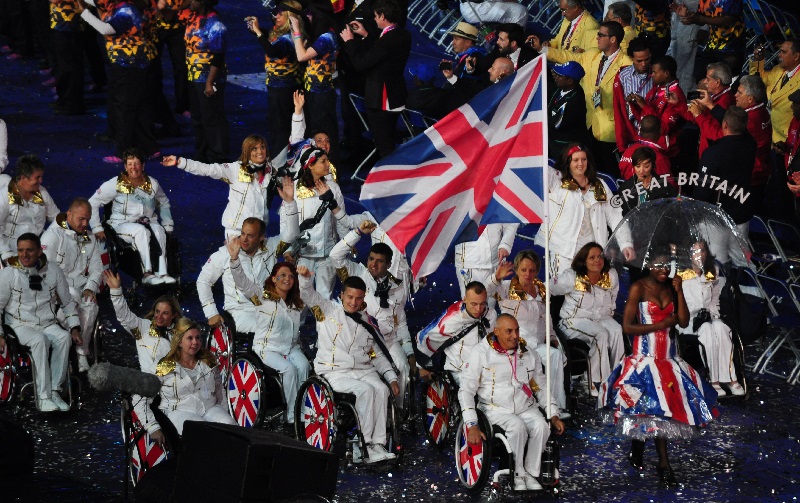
(280, 107)
(211, 134)
(321, 115)
(382, 124)
(605, 158)
(68, 49)
(130, 109)
(172, 40)
(95, 56)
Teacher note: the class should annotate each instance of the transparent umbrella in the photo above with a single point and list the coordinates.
(670, 229)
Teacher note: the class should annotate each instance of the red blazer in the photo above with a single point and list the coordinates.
(722, 101)
(626, 133)
(671, 115)
(662, 167)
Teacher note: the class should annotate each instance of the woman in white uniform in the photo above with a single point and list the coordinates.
(277, 338)
(136, 197)
(701, 287)
(590, 288)
(191, 385)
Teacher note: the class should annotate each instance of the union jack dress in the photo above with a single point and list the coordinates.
(654, 393)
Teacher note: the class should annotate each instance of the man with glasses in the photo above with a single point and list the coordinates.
(621, 12)
(578, 28)
(781, 81)
(598, 85)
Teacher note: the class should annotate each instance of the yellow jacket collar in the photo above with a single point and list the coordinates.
(124, 186)
(597, 188)
(61, 220)
(14, 262)
(690, 273)
(582, 283)
(14, 197)
(516, 292)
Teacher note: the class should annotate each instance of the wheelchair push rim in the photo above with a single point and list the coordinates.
(473, 461)
(245, 392)
(315, 414)
(8, 373)
(437, 411)
(219, 344)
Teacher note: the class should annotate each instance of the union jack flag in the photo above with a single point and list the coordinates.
(437, 411)
(483, 163)
(244, 393)
(219, 346)
(7, 374)
(146, 453)
(317, 417)
(470, 458)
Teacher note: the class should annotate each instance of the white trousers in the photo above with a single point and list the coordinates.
(216, 414)
(293, 369)
(324, 274)
(494, 12)
(139, 236)
(246, 319)
(716, 338)
(604, 337)
(372, 398)
(529, 429)
(683, 47)
(51, 369)
(556, 366)
(87, 314)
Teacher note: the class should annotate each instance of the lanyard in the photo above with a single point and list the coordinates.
(388, 29)
(604, 64)
(643, 82)
(513, 364)
(566, 40)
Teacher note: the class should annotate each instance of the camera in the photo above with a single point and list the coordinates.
(446, 66)
(283, 171)
(694, 95)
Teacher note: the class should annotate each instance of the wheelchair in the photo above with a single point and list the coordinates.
(442, 410)
(323, 415)
(474, 462)
(141, 452)
(124, 257)
(16, 362)
(255, 391)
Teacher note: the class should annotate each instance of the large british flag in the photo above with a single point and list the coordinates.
(481, 164)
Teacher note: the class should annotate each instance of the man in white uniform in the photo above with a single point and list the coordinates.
(29, 288)
(69, 244)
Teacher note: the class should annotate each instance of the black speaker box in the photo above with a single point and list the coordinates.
(16, 455)
(226, 463)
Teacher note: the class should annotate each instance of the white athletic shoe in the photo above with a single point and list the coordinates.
(166, 280)
(83, 363)
(47, 405)
(519, 484)
(377, 452)
(151, 280)
(60, 403)
(532, 484)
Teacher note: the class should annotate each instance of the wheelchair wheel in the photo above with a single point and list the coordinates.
(219, 343)
(143, 452)
(436, 420)
(393, 444)
(8, 373)
(245, 388)
(315, 414)
(473, 461)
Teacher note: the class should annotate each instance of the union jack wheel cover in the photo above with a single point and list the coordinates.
(220, 347)
(317, 416)
(8, 376)
(469, 458)
(437, 410)
(145, 454)
(244, 393)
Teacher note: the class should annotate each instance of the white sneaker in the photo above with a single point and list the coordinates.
(60, 403)
(519, 484)
(83, 363)
(736, 389)
(150, 280)
(531, 484)
(47, 405)
(377, 452)
(720, 391)
(593, 391)
(166, 280)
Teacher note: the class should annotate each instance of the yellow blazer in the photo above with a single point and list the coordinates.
(781, 106)
(600, 119)
(585, 35)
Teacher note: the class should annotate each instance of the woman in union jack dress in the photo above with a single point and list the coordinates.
(653, 393)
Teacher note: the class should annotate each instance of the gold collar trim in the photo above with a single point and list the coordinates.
(165, 367)
(124, 186)
(516, 292)
(14, 197)
(244, 176)
(690, 274)
(303, 192)
(597, 188)
(14, 262)
(582, 283)
(61, 220)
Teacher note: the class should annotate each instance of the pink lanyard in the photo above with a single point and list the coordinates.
(568, 36)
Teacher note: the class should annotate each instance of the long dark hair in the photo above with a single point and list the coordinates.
(579, 262)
